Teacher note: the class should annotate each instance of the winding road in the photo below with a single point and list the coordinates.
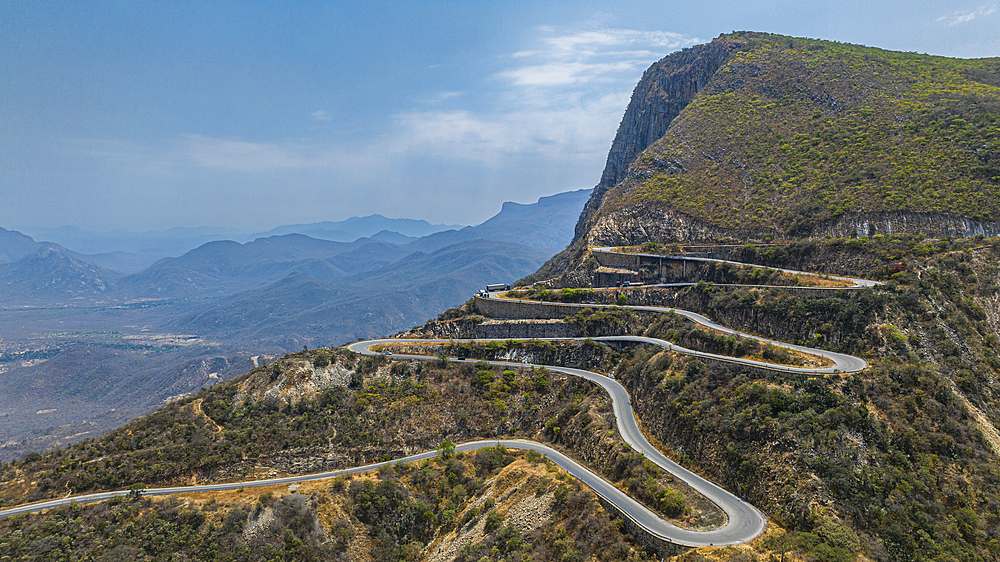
(745, 522)
(857, 283)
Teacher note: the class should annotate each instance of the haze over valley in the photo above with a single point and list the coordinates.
(86, 347)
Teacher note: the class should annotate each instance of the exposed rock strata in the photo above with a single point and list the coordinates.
(641, 223)
(936, 224)
(637, 224)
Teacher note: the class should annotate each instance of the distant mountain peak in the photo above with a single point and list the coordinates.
(547, 223)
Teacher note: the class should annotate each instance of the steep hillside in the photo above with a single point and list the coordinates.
(757, 136)
(895, 462)
(330, 408)
(467, 507)
(904, 453)
(665, 89)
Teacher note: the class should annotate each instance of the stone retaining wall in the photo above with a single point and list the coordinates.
(618, 260)
(525, 329)
(649, 269)
(504, 308)
(648, 540)
(613, 276)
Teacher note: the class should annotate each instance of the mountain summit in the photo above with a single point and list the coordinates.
(756, 135)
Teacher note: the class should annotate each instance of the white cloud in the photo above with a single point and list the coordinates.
(321, 115)
(567, 73)
(592, 55)
(441, 97)
(559, 128)
(239, 155)
(561, 100)
(965, 16)
(447, 95)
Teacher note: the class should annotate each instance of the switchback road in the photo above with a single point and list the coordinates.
(744, 523)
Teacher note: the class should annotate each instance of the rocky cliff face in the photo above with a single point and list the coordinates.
(637, 224)
(664, 90)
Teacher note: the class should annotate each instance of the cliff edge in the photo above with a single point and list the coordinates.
(756, 136)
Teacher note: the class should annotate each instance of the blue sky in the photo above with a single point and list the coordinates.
(248, 115)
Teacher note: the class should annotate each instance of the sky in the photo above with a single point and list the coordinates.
(249, 115)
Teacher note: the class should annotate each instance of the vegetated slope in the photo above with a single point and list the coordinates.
(330, 408)
(310, 411)
(903, 455)
(897, 462)
(467, 506)
(757, 135)
(793, 135)
(663, 92)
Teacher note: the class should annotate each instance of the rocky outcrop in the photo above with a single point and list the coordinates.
(456, 328)
(931, 224)
(664, 90)
(641, 223)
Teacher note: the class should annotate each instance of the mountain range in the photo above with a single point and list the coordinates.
(190, 320)
(130, 252)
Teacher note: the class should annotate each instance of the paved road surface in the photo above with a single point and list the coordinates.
(842, 363)
(744, 523)
(857, 282)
